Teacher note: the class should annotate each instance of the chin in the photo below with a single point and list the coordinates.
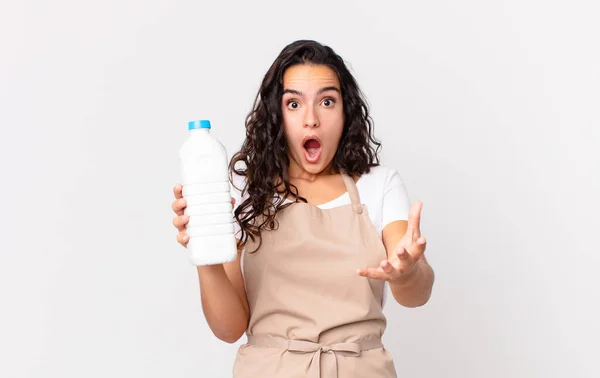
(316, 168)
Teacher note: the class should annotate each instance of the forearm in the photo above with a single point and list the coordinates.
(414, 290)
(222, 306)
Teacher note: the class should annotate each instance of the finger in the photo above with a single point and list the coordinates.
(405, 261)
(232, 203)
(180, 221)
(403, 254)
(387, 267)
(183, 238)
(414, 220)
(418, 248)
(375, 273)
(178, 206)
(177, 191)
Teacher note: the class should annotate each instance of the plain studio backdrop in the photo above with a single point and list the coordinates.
(489, 111)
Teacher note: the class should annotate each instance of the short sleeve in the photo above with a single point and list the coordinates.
(396, 203)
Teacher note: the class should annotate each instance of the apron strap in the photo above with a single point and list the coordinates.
(353, 191)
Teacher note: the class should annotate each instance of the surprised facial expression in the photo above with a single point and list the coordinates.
(313, 117)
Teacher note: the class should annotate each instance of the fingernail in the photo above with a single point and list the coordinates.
(401, 251)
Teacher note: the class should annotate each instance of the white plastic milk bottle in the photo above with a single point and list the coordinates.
(206, 189)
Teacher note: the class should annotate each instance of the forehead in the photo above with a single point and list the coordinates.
(306, 75)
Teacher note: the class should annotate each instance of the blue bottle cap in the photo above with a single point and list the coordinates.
(201, 124)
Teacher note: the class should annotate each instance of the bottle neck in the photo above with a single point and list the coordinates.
(199, 131)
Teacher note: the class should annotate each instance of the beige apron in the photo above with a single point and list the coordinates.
(311, 315)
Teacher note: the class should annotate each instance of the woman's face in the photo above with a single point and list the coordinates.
(313, 117)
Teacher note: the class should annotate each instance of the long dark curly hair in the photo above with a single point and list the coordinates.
(264, 151)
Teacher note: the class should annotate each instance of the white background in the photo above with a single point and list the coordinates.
(489, 110)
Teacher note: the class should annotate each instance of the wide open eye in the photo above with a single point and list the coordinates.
(330, 102)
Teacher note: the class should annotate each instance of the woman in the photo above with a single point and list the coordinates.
(321, 227)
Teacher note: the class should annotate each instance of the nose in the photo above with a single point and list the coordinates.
(310, 118)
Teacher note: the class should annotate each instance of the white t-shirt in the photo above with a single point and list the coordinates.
(381, 191)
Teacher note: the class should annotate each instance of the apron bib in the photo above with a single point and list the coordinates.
(311, 315)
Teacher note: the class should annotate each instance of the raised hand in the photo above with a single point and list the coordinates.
(402, 261)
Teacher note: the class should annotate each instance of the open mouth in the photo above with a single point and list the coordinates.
(312, 149)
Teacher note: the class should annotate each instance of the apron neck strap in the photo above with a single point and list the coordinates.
(353, 191)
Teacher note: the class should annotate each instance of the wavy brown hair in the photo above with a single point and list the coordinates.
(264, 151)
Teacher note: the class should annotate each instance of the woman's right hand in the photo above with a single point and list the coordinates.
(180, 221)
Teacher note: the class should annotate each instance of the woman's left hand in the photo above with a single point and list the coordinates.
(409, 250)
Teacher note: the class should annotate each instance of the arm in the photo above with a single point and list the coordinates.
(407, 271)
(412, 289)
(222, 291)
(224, 301)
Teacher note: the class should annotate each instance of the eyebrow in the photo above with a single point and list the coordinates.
(324, 89)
